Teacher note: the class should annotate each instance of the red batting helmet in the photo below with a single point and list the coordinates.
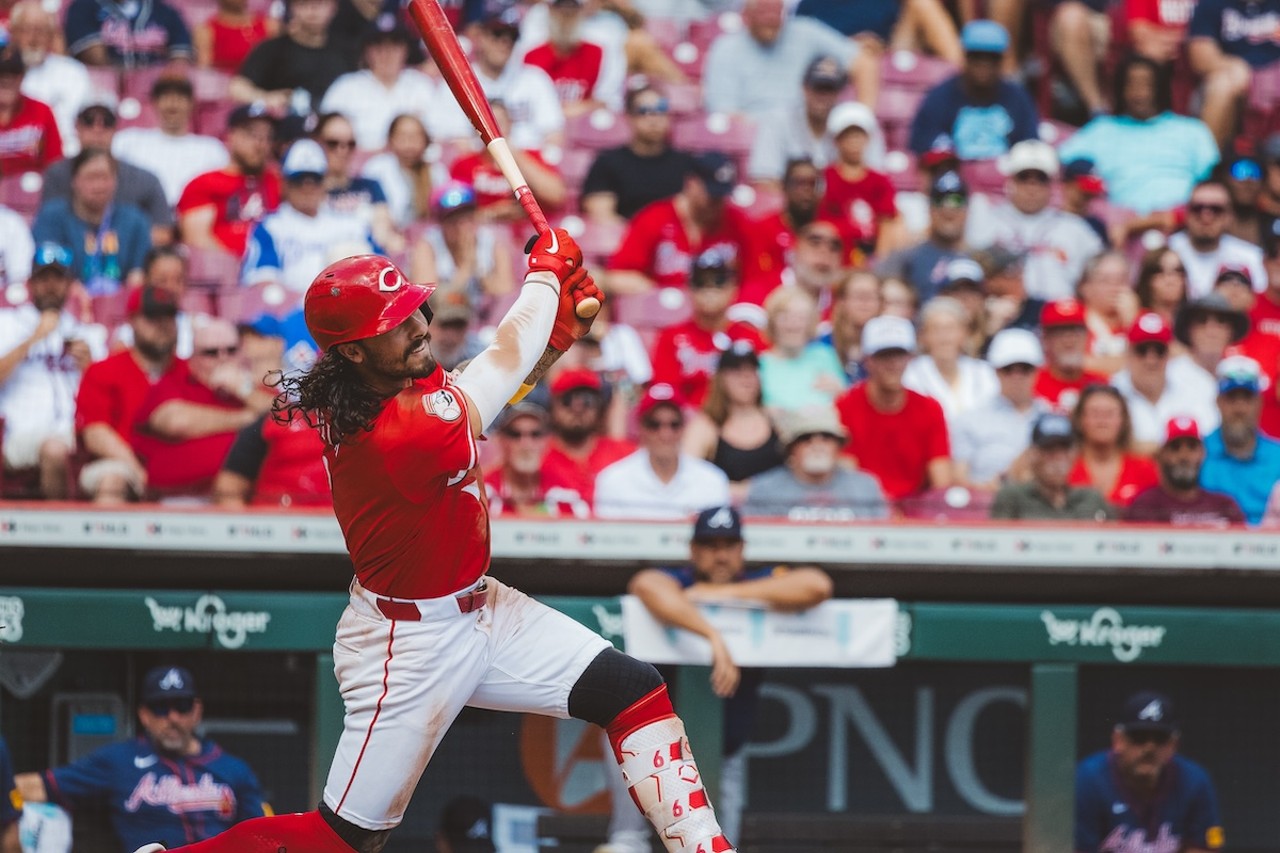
(360, 297)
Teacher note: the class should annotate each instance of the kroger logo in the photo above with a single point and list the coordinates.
(209, 616)
(1104, 628)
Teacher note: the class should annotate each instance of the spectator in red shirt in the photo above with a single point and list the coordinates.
(1106, 460)
(274, 464)
(1178, 498)
(189, 420)
(1066, 343)
(579, 450)
(685, 355)
(29, 138)
(521, 486)
(1158, 28)
(218, 210)
(773, 235)
(663, 239)
(113, 390)
(226, 37)
(854, 193)
(894, 433)
(586, 77)
(493, 194)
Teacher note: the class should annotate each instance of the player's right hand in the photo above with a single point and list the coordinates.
(558, 253)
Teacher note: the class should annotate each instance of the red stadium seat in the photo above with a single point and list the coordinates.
(956, 504)
(105, 80)
(212, 269)
(905, 69)
(983, 176)
(109, 310)
(729, 134)
(652, 311)
(210, 84)
(684, 98)
(211, 116)
(597, 130)
(21, 193)
(135, 112)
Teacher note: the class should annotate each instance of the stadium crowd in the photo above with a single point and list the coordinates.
(864, 259)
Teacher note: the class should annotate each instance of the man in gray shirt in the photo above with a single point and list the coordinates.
(1048, 496)
(757, 70)
(800, 131)
(988, 440)
(96, 127)
(812, 485)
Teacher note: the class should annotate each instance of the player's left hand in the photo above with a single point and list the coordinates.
(569, 327)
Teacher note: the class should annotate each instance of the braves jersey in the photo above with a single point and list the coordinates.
(157, 798)
(41, 391)
(292, 248)
(239, 201)
(1183, 813)
(408, 497)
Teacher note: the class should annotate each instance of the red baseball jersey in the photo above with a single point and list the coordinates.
(657, 245)
(555, 497)
(240, 201)
(863, 203)
(768, 254)
(293, 470)
(113, 391)
(30, 141)
(896, 447)
(1061, 393)
(181, 466)
(486, 178)
(579, 475)
(575, 74)
(408, 496)
(685, 356)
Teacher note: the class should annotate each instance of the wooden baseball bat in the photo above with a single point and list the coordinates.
(443, 45)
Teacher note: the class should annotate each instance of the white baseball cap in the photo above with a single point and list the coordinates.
(1030, 155)
(888, 333)
(851, 114)
(305, 157)
(1015, 346)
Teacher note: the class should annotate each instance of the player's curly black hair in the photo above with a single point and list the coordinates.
(330, 397)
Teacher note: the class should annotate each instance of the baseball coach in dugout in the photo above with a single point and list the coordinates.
(426, 632)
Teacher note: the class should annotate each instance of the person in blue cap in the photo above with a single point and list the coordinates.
(167, 784)
(1239, 459)
(981, 113)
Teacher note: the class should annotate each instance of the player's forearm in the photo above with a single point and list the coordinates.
(495, 375)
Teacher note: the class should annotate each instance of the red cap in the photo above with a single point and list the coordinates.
(1181, 427)
(937, 155)
(573, 379)
(659, 394)
(1150, 328)
(1064, 312)
(360, 297)
(1091, 184)
(150, 301)
(1238, 270)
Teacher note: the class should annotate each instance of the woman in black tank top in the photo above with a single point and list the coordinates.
(733, 430)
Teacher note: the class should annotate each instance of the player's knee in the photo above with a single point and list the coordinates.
(358, 838)
(609, 685)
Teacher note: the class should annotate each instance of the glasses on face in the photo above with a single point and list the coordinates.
(518, 434)
(581, 397)
(1031, 176)
(711, 281)
(819, 241)
(657, 108)
(217, 352)
(98, 119)
(164, 708)
(660, 424)
(1203, 209)
(504, 33)
(1180, 444)
(340, 144)
(1149, 349)
(1143, 738)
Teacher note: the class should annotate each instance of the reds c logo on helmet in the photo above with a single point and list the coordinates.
(360, 297)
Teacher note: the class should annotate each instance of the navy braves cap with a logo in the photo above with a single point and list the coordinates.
(1148, 711)
(718, 522)
(168, 682)
(718, 172)
(467, 823)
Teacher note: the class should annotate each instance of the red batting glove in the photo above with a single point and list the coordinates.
(569, 327)
(556, 252)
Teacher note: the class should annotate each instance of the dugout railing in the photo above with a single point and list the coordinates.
(1027, 635)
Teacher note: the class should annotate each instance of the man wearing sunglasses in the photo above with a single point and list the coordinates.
(168, 783)
(1205, 247)
(1142, 795)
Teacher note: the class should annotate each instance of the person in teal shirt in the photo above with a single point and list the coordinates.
(798, 371)
(1149, 157)
(1239, 460)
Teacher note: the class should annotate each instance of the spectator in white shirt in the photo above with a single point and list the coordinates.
(44, 350)
(403, 171)
(1157, 391)
(170, 150)
(957, 381)
(1205, 247)
(658, 481)
(537, 120)
(59, 81)
(16, 248)
(385, 88)
(292, 245)
(1056, 243)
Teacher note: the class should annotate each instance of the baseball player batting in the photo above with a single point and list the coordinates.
(426, 632)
